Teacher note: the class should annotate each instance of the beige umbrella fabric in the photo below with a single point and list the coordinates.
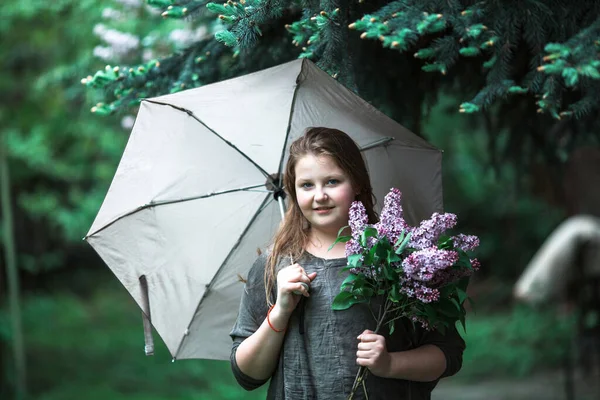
(192, 198)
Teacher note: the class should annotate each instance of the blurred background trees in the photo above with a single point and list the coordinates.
(508, 89)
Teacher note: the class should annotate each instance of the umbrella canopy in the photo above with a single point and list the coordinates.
(193, 196)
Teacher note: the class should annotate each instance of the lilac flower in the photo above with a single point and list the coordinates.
(353, 247)
(422, 321)
(367, 271)
(426, 294)
(423, 264)
(392, 207)
(419, 291)
(429, 231)
(450, 275)
(358, 219)
(391, 223)
(465, 242)
(475, 264)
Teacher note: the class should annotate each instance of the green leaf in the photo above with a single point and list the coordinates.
(363, 292)
(445, 242)
(400, 240)
(463, 284)
(430, 313)
(448, 309)
(339, 239)
(404, 243)
(456, 304)
(389, 272)
(341, 230)
(354, 260)
(392, 327)
(349, 280)
(369, 232)
(393, 257)
(343, 301)
(463, 323)
(462, 295)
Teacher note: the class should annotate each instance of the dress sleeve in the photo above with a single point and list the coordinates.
(451, 344)
(252, 312)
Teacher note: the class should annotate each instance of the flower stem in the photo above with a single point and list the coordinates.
(361, 375)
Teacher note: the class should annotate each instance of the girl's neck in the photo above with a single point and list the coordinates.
(319, 243)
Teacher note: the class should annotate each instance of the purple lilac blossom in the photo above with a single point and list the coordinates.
(424, 323)
(391, 223)
(465, 242)
(358, 219)
(426, 294)
(369, 272)
(475, 264)
(353, 247)
(428, 232)
(422, 265)
(419, 291)
(448, 276)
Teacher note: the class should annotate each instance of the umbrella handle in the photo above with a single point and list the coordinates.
(148, 339)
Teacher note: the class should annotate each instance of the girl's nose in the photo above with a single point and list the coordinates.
(321, 195)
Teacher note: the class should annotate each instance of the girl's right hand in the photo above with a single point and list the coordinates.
(289, 280)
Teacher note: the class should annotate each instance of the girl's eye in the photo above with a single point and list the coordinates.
(306, 185)
(333, 182)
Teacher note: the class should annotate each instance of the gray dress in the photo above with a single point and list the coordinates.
(318, 356)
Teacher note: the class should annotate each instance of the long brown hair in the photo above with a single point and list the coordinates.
(292, 236)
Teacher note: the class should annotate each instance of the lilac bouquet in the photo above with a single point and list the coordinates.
(420, 273)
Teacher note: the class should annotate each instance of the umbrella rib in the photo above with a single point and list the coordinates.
(264, 204)
(289, 128)
(381, 142)
(191, 114)
(165, 202)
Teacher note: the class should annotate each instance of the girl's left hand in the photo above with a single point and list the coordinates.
(372, 353)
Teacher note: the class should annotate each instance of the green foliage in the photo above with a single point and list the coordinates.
(495, 204)
(93, 348)
(460, 28)
(536, 61)
(516, 343)
(61, 160)
(376, 277)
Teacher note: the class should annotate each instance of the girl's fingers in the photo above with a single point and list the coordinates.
(368, 337)
(299, 288)
(365, 346)
(363, 354)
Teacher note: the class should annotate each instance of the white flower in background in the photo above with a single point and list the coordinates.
(111, 13)
(120, 43)
(185, 37)
(147, 55)
(127, 122)
(103, 53)
(131, 3)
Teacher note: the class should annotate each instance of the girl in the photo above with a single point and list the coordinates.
(286, 330)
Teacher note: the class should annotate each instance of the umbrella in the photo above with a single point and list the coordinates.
(196, 192)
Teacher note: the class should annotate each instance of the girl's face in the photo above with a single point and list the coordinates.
(324, 193)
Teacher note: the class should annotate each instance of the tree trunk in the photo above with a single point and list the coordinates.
(12, 277)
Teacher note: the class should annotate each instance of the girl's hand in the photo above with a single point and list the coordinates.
(372, 353)
(289, 280)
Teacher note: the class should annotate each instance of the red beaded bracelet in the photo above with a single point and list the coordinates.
(269, 321)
